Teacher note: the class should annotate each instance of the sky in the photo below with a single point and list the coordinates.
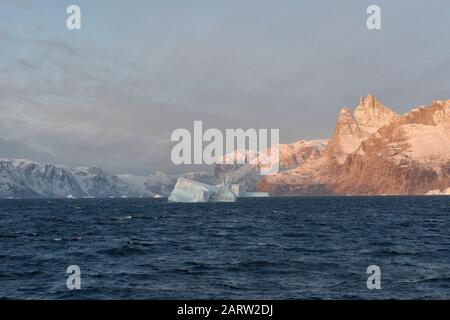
(112, 93)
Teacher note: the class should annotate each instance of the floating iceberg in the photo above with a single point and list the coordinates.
(255, 195)
(187, 190)
(239, 191)
(445, 192)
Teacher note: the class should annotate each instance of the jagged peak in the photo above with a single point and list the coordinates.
(346, 137)
(345, 120)
(371, 115)
(345, 115)
(344, 110)
(368, 101)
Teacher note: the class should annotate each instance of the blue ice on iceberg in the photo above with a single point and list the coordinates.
(187, 190)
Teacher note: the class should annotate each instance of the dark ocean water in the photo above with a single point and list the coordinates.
(268, 248)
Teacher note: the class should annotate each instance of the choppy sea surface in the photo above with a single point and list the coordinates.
(266, 248)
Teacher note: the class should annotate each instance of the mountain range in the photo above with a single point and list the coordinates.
(373, 151)
(28, 179)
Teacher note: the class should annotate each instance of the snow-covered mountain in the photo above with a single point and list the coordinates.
(100, 184)
(352, 129)
(29, 179)
(410, 155)
(372, 151)
(376, 151)
(291, 156)
(160, 183)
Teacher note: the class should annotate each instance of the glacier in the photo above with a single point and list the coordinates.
(187, 190)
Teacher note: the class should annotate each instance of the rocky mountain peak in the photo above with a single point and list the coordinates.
(376, 151)
(368, 101)
(346, 138)
(346, 122)
(371, 115)
(442, 116)
(345, 113)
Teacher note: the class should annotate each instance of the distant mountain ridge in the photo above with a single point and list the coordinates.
(21, 178)
(373, 151)
(28, 179)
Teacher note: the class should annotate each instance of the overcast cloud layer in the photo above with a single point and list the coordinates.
(112, 93)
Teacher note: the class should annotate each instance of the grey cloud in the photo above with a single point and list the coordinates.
(115, 104)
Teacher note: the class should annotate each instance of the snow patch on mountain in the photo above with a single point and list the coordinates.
(28, 179)
(160, 183)
(427, 142)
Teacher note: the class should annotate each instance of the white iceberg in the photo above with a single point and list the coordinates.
(445, 192)
(240, 192)
(187, 190)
